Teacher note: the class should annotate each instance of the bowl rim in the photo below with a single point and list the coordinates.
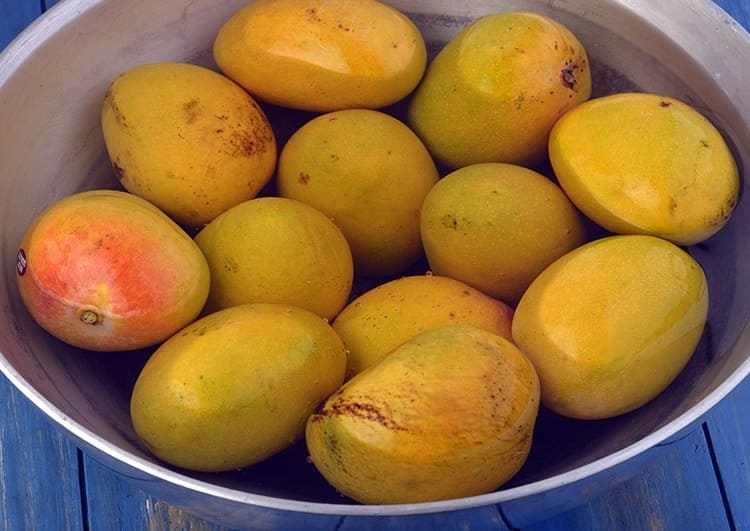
(62, 13)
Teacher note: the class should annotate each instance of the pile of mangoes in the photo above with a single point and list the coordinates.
(395, 279)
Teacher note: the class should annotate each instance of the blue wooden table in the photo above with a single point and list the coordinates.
(699, 482)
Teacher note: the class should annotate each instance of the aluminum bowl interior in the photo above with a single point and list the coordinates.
(53, 78)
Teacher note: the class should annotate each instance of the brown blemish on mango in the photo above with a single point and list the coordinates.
(568, 78)
(109, 100)
(191, 110)
(568, 75)
(241, 142)
(119, 170)
(449, 222)
(312, 15)
(359, 410)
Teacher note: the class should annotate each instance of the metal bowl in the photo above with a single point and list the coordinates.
(53, 78)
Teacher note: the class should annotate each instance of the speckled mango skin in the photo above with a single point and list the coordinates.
(384, 317)
(368, 172)
(236, 386)
(641, 163)
(323, 55)
(495, 90)
(610, 325)
(188, 139)
(496, 226)
(449, 413)
(277, 250)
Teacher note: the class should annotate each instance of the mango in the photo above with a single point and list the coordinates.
(277, 250)
(105, 270)
(611, 324)
(449, 413)
(368, 172)
(382, 318)
(236, 386)
(494, 91)
(496, 226)
(188, 139)
(641, 163)
(322, 55)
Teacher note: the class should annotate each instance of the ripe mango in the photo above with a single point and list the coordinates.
(322, 55)
(236, 386)
(611, 324)
(382, 318)
(496, 226)
(640, 163)
(188, 139)
(277, 250)
(368, 172)
(495, 90)
(449, 413)
(106, 270)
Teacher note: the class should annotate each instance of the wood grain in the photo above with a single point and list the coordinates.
(727, 432)
(39, 482)
(114, 503)
(481, 518)
(677, 490)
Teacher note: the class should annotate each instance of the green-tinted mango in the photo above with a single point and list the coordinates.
(493, 93)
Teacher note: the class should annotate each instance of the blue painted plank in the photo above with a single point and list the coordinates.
(480, 519)
(738, 9)
(15, 15)
(728, 433)
(676, 490)
(113, 502)
(39, 482)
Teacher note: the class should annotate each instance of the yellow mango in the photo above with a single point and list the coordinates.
(236, 386)
(391, 313)
(640, 163)
(187, 139)
(277, 250)
(496, 226)
(611, 324)
(322, 55)
(368, 172)
(449, 413)
(495, 90)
